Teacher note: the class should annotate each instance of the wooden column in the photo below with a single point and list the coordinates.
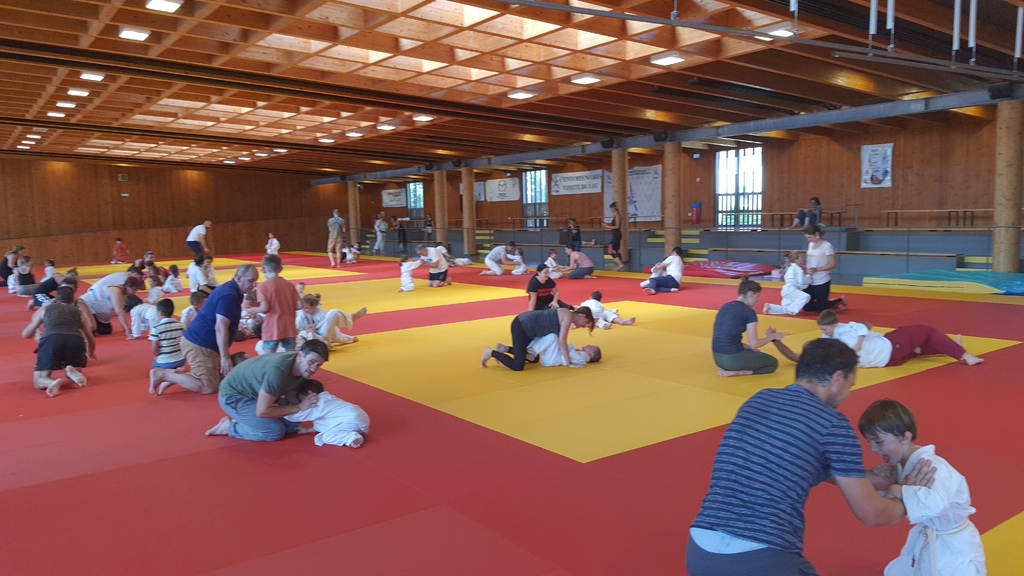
(353, 212)
(468, 211)
(441, 206)
(670, 193)
(620, 193)
(1009, 186)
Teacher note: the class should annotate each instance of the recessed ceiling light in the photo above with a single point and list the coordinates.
(55, 114)
(422, 118)
(28, 142)
(245, 158)
(282, 150)
(325, 140)
(164, 5)
(764, 38)
(667, 59)
(584, 79)
(521, 94)
(94, 76)
(783, 33)
(77, 92)
(133, 33)
(262, 154)
(229, 161)
(386, 127)
(353, 134)
(66, 104)
(23, 147)
(34, 136)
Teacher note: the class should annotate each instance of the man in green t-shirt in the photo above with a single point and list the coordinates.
(253, 393)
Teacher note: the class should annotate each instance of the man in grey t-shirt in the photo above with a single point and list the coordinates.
(335, 238)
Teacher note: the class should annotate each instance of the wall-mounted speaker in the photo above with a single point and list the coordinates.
(122, 177)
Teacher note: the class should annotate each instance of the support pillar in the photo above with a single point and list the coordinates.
(353, 212)
(670, 193)
(1009, 188)
(620, 193)
(441, 206)
(468, 211)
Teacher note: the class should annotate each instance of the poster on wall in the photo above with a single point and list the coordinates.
(643, 197)
(876, 166)
(591, 182)
(502, 190)
(478, 191)
(394, 198)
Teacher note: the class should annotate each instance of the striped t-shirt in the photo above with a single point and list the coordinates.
(782, 443)
(168, 333)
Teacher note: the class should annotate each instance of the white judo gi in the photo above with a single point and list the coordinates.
(547, 348)
(603, 317)
(793, 296)
(337, 422)
(551, 263)
(942, 541)
(407, 268)
(328, 325)
(520, 266)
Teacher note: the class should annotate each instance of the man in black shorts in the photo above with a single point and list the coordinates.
(66, 342)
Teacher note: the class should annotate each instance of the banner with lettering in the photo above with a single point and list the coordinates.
(643, 197)
(502, 190)
(394, 198)
(591, 182)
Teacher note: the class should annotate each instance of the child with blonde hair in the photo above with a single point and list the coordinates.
(406, 266)
(315, 323)
(793, 296)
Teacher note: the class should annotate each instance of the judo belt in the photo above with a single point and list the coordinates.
(928, 543)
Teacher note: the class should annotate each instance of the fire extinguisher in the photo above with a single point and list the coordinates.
(695, 210)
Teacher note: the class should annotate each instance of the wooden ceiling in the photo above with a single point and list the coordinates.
(266, 83)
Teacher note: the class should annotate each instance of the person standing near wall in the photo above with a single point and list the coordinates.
(335, 238)
(197, 238)
(615, 245)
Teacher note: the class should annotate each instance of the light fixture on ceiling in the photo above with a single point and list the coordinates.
(77, 92)
(422, 118)
(66, 104)
(245, 158)
(667, 59)
(521, 94)
(262, 154)
(280, 150)
(23, 147)
(781, 33)
(764, 38)
(29, 142)
(584, 79)
(386, 127)
(169, 6)
(133, 33)
(353, 134)
(93, 76)
(55, 114)
(325, 140)
(229, 161)
(33, 136)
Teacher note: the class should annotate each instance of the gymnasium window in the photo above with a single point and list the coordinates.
(535, 198)
(738, 183)
(415, 192)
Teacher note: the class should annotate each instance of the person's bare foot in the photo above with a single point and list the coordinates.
(76, 376)
(620, 268)
(650, 291)
(501, 348)
(629, 321)
(221, 429)
(54, 389)
(589, 277)
(971, 359)
(673, 290)
(731, 373)
(163, 388)
(485, 357)
(359, 314)
(153, 384)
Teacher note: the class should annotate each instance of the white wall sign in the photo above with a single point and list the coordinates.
(502, 190)
(591, 182)
(478, 191)
(876, 166)
(643, 198)
(394, 198)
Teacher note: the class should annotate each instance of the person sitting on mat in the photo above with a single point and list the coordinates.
(734, 319)
(875, 350)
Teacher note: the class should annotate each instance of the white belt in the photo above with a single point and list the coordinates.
(928, 543)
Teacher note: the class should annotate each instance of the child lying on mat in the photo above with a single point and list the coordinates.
(604, 317)
(335, 421)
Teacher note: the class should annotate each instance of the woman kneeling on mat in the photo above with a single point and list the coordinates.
(732, 356)
(538, 323)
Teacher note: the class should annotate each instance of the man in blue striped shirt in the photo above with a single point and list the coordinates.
(782, 443)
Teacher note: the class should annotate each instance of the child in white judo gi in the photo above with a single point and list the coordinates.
(552, 264)
(406, 266)
(545, 350)
(520, 265)
(942, 540)
(604, 317)
(335, 421)
(793, 296)
(143, 314)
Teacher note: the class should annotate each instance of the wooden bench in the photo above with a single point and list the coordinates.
(954, 216)
(855, 262)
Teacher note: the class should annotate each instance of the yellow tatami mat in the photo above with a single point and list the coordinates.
(1003, 552)
(382, 295)
(659, 372)
(224, 268)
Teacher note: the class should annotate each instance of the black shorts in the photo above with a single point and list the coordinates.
(59, 350)
(438, 276)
